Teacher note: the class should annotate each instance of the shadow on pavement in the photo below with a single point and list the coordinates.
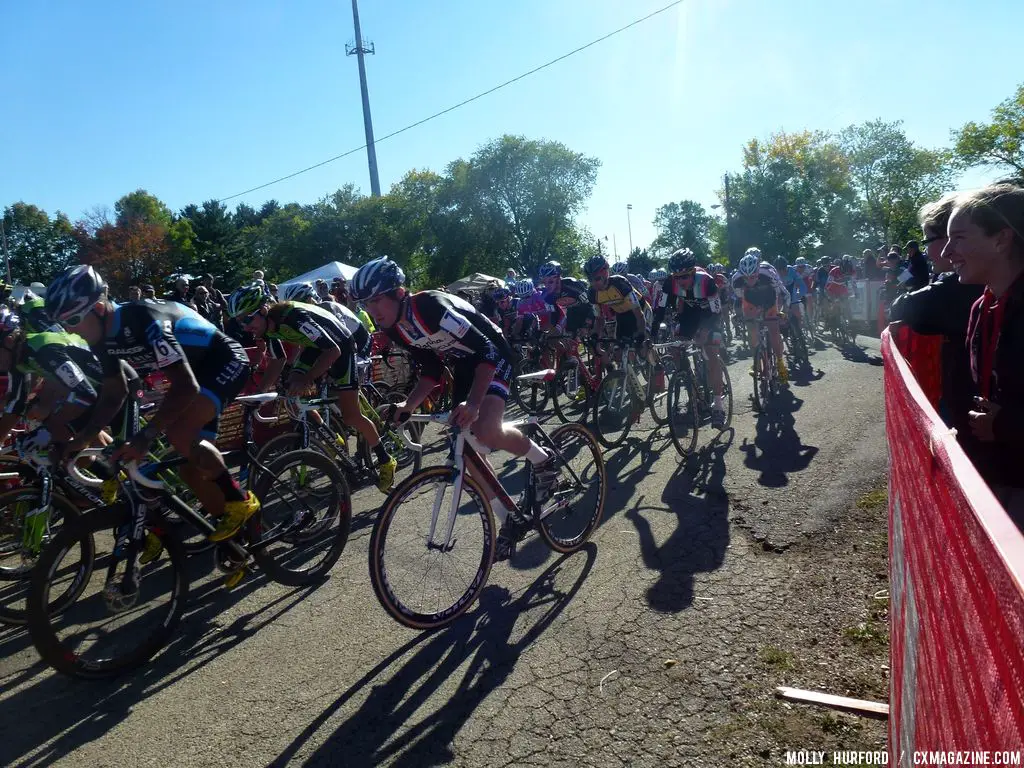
(777, 450)
(855, 353)
(695, 495)
(69, 712)
(385, 725)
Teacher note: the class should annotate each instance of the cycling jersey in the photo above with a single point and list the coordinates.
(550, 316)
(619, 295)
(638, 282)
(806, 273)
(152, 334)
(794, 285)
(439, 328)
(765, 293)
(697, 306)
(573, 297)
(356, 329)
(314, 329)
(32, 311)
(820, 278)
(61, 358)
(837, 285)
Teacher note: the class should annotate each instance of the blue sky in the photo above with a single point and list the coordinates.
(197, 99)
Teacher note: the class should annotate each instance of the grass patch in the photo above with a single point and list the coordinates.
(874, 499)
(870, 635)
(777, 658)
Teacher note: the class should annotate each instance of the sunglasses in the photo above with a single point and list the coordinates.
(77, 318)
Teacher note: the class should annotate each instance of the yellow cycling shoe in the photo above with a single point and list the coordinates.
(783, 373)
(234, 517)
(386, 474)
(152, 548)
(234, 578)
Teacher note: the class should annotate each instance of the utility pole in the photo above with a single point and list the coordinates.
(629, 207)
(360, 50)
(728, 221)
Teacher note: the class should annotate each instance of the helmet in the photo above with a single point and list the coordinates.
(304, 292)
(9, 321)
(376, 277)
(550, 269)
(619, 268)
(750, 262)
(247, 299)
(525, 287)
(801, 261)
(682, 259)
(500, 292)
(73, 292)
(594, 265)
(653, 275)
(846, 265)
(781, 265)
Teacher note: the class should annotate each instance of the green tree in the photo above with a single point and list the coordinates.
(39, 247)
(532, 189)
(893, 178)
(641, 262)
(217, 245)
(999, 143)
(683, 225)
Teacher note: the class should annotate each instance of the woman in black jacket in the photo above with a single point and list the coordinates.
(986, 247)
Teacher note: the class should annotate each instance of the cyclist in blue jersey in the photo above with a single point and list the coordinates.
(205, 368)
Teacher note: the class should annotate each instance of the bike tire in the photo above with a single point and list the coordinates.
(760, 380)
(550, 531)
(568, 408)
(683, 420)
(15, 582)
(383, 588)
(613, 410)
(42, 623)
(270, 488)
(532, 396)
(727, 396)
(658, 402)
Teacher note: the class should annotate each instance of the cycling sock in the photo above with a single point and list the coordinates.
(229, 487)
(536, 454)
(381, 454)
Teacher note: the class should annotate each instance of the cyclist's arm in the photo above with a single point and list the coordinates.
(483, 374)
(182, 391)
(318, 337)
(113, 391)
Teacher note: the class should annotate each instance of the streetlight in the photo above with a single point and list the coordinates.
(629, 207)
(728, 222)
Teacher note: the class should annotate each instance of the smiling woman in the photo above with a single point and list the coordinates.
(986, 246)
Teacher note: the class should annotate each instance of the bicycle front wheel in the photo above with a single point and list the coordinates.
(111, 628)
(614, 409)
(571, 394)
(532, 396)
(304, 519)
(684, 418)
(576, 505)
(423, 578)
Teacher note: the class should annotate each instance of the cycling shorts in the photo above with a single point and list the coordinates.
(463, 372)
(221, 375)
(577, 317)
(690, 324)
(625, 326)
(752, 312)
(342, 373)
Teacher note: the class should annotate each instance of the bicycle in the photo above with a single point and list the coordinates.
(577, 379)
(109, 628)
(691, 396)
(794, 331)
(565, 521)
(622, 397)
(766, 374)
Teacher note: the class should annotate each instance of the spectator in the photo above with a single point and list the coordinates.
(322, 291)
(917, 265)
(986, 247)
(217, 299)
(134, 293)
(943, 307)
(148, 291)
(872, 271)
(272, 287)
(180, 292)
(205, 306)
(339, 290)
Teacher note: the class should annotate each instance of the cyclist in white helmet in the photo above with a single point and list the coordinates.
(762, 293)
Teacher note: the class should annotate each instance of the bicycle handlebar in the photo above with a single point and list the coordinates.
(94, 482)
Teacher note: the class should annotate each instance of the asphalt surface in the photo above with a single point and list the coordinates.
(630, 652)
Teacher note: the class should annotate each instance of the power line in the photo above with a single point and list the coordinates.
(460, 104)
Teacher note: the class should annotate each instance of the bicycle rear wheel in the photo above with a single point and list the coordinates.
(20, 549)
(614, 410)
(683, 421)
(577, 502)
(304, 520)
(762, 390)
(532, 396)
(426, 583)
(105, 632)
(571, 394)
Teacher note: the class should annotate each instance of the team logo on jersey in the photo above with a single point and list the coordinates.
(455, 324)
(70, 374)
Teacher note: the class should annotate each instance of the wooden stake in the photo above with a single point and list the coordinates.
(872, 709)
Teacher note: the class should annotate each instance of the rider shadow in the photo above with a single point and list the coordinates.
(855, 353)
(696, 497)
(777, 450)
(64, 714)
(384, 727)
(804, 375)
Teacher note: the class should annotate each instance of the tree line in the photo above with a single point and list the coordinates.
(515, 202)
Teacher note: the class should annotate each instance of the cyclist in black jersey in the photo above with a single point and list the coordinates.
(205, 369)
(438, 328)
(328, 347)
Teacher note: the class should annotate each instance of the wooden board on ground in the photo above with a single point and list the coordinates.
(872, 709)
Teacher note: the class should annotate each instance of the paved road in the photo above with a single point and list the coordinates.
(562, 663)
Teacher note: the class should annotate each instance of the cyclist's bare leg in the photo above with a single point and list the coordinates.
(205, 463)
(348, 404)
(492, 432)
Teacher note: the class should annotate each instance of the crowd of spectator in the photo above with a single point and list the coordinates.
(973, 297)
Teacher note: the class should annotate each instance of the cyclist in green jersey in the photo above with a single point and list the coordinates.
(327, 348)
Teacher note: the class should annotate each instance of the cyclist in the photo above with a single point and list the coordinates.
(205, 368)
(531, 310)
(568, 293)
(762, 294)
(616, 294)
(806, 273)
(620, 268)
(796, 289)
(694, 296)
(839, 286)
(440, 329)
(305, 293)
(328, 347)
(32, 311)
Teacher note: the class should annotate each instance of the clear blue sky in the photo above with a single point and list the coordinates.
(195, 99)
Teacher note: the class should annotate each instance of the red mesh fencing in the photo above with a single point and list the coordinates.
(957, 586)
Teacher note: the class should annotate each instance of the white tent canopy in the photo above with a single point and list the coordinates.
(328, 272)
(475, 282)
